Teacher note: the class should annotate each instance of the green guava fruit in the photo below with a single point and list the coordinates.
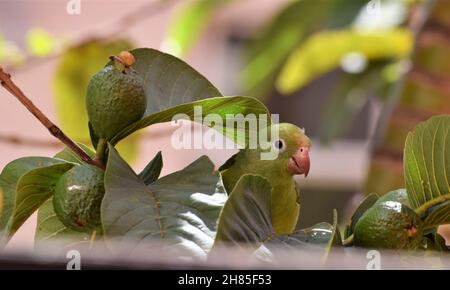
(115, 99)
(389, 224)
(399, 195)
(78, 197)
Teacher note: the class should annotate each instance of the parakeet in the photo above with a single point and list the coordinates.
(293, 158)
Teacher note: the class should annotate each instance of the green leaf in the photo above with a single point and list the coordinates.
(320, 234)
(9, 178)
(33, 189)
(297, 21)
(74, 70)
(173, 87)
(246, 221)
(246, 216)
(438, 215)
(28, 182)
(180, 209)
(432, 240)
(427, 166)
(313, 57)
(320, 237)
(152, 170)
(223, 107)
(188, 23)
(169, 81)
(367, 203)
(68, 155)
(49, 228)
(440, 244)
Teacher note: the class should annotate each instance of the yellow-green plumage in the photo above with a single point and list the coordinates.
(285, 196)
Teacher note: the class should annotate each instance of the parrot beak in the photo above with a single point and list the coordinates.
(299, 162)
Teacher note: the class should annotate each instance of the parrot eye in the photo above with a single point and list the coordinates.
(279, 144)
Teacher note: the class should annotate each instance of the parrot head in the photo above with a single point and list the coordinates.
(293, 148)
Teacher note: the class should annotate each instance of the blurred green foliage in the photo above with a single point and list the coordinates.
(324, 52)
(307, 39)
(291, 27)
(40, 42)
(188, 23)
(10, 53)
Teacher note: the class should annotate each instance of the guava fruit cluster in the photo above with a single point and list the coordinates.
(115, 99)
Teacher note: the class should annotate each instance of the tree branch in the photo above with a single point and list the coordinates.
(10, 86)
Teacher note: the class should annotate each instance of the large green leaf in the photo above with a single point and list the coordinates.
(314, 56)
(223, 107)
(297, 21)
(246, 216)
(188, 23)
(180, 209)
(427, 164)
(169, 81)
(9, 179)
(75, 68)
(246, 221)
(173, 87)
(438, 215)
(33, 189)
(49, 227)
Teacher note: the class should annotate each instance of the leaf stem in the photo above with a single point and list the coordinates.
(12, 88)
(101, 149)
(92, 239)
(348, 241)
(421, 210)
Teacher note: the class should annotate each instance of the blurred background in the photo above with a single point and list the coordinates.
(357, 74)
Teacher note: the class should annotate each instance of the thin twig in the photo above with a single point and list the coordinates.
(10, 86)
(36, 142)
(26, 141)
(348, 241)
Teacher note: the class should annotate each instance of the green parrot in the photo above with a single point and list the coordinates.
(293, 158)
